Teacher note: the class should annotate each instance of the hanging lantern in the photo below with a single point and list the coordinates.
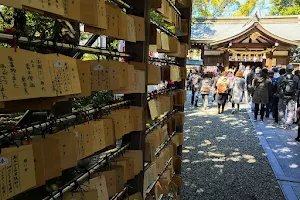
(265, 56)
(245, 58)
(236, 57)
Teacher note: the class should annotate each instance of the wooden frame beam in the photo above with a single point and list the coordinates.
(251, 45)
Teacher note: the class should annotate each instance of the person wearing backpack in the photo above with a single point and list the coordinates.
(288, 90)
(205, 90)
(261, 95)
(222, 87)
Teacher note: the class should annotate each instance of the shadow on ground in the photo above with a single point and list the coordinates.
(223, 159)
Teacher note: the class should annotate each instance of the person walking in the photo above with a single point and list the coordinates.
(202, 70)
(241, 67)
(247, 71)
(238, 90)
(288, 90)
(222, 87)
(261, 95)
(274, 97)
(298, 116)
(195, 80)
(220, 67)
(214, 85)
(205, 90)
(269, 104)
(230, 76)
(189, 83)
(297, 73)
(249, 88)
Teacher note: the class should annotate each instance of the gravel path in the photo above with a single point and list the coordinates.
(223, 159)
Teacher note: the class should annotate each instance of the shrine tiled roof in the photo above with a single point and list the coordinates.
(215, 29)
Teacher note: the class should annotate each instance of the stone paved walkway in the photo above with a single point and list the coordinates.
(283, 153)
(223, 158)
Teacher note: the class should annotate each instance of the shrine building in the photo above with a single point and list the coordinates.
(259, 41)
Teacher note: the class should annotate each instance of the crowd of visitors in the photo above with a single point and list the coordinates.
(273, 91)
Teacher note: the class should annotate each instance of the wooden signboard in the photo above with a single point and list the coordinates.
(99, 184)
(67, 148)
(25, 75)
(81, 195)
(51, 6)
(85, 77)
(84, 140)
(47, 158)
(139, 27)
(64, 74)
(93, 13)
(154, 75)
(16, 171)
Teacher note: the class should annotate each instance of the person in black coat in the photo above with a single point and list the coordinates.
(249, 80)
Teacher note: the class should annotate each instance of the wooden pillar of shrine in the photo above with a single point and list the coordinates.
(226, 59)
(269, 60)
(202, 52)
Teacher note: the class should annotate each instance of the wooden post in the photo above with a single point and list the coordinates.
(226, 59)
(264, 62)
(202, 53)
(269, 60)
(186, 14)
(140, 52)
(288, 58)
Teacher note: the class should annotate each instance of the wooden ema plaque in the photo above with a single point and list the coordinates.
(27, 75)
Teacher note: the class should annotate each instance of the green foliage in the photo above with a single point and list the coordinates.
(7, 13)
(217, 8)
(88, 56)
(35, 23)
(97, 98)
(247, 8)
(285, 7)
(156, 17)
(213, 8)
